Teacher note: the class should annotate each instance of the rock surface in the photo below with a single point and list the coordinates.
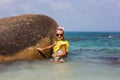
(21, 35)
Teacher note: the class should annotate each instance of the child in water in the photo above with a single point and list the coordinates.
(60, 47)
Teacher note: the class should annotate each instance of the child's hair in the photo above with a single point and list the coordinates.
(61, 28)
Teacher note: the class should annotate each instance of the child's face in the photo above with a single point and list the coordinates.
(59, 34)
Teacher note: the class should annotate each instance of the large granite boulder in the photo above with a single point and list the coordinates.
(21, 35)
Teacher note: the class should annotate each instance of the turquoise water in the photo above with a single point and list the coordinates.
(92, 56)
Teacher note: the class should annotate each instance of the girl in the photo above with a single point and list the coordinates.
(60, 47)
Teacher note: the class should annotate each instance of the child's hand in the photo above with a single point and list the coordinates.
(55, 43)
(40, 49)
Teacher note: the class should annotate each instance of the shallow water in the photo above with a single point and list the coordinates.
(80, 69)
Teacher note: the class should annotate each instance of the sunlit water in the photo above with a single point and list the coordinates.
(92, 56)
(84, 69)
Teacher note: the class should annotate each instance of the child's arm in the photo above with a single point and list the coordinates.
(48, 47)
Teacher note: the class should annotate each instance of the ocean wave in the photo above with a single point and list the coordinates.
(104, 55)
(94, 45)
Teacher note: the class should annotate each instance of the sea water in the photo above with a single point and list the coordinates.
(92, 56)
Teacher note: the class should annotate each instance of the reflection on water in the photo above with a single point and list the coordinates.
(60, 69)
(82, 69)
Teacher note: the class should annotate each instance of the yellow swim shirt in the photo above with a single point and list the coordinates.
(58, 45)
